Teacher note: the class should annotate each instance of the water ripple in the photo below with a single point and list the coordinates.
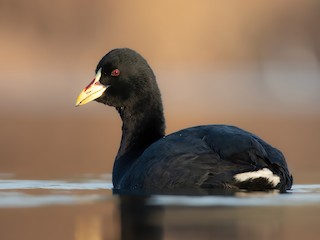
(20, 193)
(54, 184)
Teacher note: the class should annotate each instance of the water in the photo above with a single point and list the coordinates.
(87, 209)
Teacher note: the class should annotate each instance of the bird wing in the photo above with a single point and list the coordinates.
(205, 157)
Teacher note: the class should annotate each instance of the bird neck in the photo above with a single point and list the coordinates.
(139, 130)
(143, 124)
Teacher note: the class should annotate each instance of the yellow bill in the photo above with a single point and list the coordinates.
(91, 92)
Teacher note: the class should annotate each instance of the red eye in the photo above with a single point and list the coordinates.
(115, 72)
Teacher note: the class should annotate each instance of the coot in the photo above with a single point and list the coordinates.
(201, 157)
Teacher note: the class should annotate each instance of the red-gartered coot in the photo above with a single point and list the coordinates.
(201, 157)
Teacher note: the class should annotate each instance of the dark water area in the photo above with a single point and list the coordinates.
(87, 209)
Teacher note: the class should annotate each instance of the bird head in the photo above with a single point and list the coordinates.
(122, 78)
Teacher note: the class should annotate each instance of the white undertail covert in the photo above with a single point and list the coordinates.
(262, 173)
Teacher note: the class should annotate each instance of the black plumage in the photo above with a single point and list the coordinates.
(202, 157)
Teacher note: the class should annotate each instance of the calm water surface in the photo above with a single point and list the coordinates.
(86, 209)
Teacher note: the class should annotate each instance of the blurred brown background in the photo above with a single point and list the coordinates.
(254, 64)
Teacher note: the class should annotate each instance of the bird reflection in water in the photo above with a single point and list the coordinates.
(139, 220)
